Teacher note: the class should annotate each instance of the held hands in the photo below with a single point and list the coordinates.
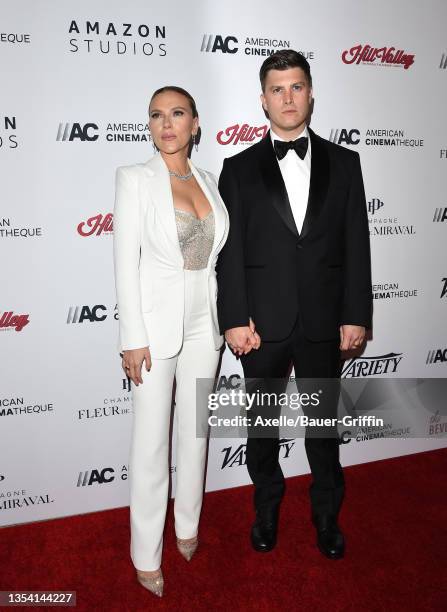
(132, 362)
(351, 337)
(242, 340)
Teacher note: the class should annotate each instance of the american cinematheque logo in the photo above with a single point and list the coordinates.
(378, 56)
(250, 45)
(241, 134)
(117, 38)
(16, 406)
(374, 137)
(112, 132)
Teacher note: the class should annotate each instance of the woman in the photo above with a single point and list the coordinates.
(169, 226)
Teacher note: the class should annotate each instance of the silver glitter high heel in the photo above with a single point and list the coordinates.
(187, 548)
(154, 583)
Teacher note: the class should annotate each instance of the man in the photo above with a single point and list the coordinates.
(294, 279)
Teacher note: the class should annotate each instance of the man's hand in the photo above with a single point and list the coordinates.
(351, 337)
(242, 340)
(132, 362)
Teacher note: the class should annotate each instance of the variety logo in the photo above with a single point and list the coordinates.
(238, 455)
(9, 321)
(374, 137)
(241, 134)
(117, 38)
(98, 224)
(389, 291)
(103, 476)
(378, 56)
(440, 215)
(13, 406)
(444, 287)
(6, 231)
(371, 366)
(11, 500)
(15, 38)
(8, 136)
(443, 62)
(79, 314)
(69, 132)
(380, 225)
(436, 356)
(2, 477)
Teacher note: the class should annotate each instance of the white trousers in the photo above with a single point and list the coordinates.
(149, 453)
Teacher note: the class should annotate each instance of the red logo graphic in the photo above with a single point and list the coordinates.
(241, 133)
(96, 225)
(387, 56)
(9, 319)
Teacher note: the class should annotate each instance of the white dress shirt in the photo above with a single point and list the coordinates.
(296, 175)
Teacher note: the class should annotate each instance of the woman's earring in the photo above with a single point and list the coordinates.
(194, 143)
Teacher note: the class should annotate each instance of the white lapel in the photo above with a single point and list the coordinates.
(161, 195)
(212, 194)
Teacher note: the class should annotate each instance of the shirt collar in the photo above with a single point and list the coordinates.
(274, 136)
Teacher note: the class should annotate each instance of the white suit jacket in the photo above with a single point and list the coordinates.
(149, 272)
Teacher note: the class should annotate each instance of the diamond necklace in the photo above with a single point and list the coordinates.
(182, 177)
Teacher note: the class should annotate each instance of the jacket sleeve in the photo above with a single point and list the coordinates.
(126, 254)
(232, 303)
(357, 297)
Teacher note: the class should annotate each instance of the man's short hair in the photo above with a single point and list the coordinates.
(282, 60)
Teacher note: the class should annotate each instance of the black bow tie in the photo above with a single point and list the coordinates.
(299, 146)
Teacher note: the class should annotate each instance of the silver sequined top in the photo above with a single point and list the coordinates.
(196, 237)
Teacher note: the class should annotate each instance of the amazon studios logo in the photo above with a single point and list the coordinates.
(371, 366)
(109, 38)
(8, 133)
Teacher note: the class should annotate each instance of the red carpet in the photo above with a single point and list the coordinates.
(394, 518)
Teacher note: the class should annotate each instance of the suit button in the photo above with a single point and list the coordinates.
(299, 246)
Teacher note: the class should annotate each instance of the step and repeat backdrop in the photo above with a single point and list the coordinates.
(76, 79)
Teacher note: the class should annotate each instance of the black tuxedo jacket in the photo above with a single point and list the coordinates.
(270, 272)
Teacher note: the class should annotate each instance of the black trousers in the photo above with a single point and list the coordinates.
(269, 367)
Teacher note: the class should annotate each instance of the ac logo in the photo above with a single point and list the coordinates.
(444, 288)
(213, 43)
(88, 477)
(343, 136)
(440, 215)
(79, 314)
(75, 131)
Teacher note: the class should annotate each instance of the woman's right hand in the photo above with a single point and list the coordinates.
(133, 360)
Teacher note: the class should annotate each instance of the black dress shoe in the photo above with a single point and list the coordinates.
(263, 533)
(330, 540)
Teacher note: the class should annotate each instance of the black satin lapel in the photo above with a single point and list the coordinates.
(274, 183)
(319, 182)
